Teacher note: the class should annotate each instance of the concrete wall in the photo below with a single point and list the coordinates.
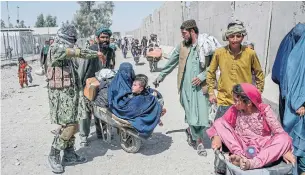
(267, 22)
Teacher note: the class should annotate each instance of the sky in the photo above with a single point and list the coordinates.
(126, 16)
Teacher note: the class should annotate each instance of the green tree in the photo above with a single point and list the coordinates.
(21, 24)
(50, 21)
(40, 21)
(2, 24)
(92, 16)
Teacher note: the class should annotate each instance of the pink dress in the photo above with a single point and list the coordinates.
(249, 131)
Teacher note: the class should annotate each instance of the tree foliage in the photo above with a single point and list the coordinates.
(92, 15)
(2, 24)
(40, 21)
(21, 24)
(49, 21)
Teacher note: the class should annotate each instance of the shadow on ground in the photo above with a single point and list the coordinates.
(206, 139)
(34, 85)
(141, 64)
(97, 147)
(157, 70)
(157, 144)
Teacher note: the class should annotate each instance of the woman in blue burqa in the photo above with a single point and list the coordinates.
(143, 111)
(292, 87)
(294, 122)
(280, 62)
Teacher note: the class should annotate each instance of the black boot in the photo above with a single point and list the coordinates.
(54, 161)
(70, 157)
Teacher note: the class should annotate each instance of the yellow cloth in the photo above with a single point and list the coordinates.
(233, 71)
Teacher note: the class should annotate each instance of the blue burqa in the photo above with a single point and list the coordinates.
(280, 62)
(295, 98)
(142, 111)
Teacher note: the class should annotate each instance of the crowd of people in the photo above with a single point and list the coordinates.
(244, 126)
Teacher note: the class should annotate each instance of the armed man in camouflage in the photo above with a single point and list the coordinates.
(64, 91)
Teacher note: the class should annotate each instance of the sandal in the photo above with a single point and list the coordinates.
(189, 139)
(201, 150)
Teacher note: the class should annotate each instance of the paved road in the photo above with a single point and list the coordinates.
(26, 137)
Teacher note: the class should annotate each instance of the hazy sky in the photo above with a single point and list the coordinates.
(127, 15)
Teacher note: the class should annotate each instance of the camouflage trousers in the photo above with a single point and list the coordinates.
(63, 105)
(65, 138)
(63, 111)
(61, 144)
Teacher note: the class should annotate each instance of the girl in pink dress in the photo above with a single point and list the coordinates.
(251, 131)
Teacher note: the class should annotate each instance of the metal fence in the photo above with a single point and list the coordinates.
(25, 44)
(17, 44)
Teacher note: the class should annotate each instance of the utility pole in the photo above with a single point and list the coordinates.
(8, 49)
(18, 16)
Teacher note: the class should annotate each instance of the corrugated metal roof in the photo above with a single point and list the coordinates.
(15, 29)
(45, 30)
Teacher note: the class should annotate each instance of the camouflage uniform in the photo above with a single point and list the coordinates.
(64, 102)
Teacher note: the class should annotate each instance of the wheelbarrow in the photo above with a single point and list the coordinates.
(277, 168)
(130, 140)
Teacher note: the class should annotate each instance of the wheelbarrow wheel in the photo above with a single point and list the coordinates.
(130, 143)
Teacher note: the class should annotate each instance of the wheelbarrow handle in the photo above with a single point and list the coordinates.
(219, 154)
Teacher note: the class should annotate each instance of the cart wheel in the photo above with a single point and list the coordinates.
(129, 143)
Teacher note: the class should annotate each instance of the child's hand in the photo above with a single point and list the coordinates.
(160, 123)
(163, 111)
(301, 111)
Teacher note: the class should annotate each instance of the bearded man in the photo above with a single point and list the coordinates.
(87, 69)
(190, 81)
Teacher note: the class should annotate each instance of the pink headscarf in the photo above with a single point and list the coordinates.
(255, 96)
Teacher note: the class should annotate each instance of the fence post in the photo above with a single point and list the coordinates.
(4, 41)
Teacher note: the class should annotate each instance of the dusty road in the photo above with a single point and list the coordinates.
(26, 137)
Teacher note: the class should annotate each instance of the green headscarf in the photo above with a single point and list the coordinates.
(103, 30)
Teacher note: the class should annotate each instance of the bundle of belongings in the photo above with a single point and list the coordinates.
(96, 87)
(130, 98)
(127, 96)
(154, 55)
(208, 44)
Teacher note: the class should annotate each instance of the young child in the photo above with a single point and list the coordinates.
(22, 72)
(251, 131)
(139, 84)
(28, 70)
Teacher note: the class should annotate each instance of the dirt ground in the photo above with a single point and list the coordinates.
(26, 138)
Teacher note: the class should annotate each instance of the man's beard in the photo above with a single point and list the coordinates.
(104, 44)
(188, 42)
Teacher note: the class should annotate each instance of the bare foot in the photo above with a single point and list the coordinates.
(289, 158)
(235, 159)
(244, 163)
